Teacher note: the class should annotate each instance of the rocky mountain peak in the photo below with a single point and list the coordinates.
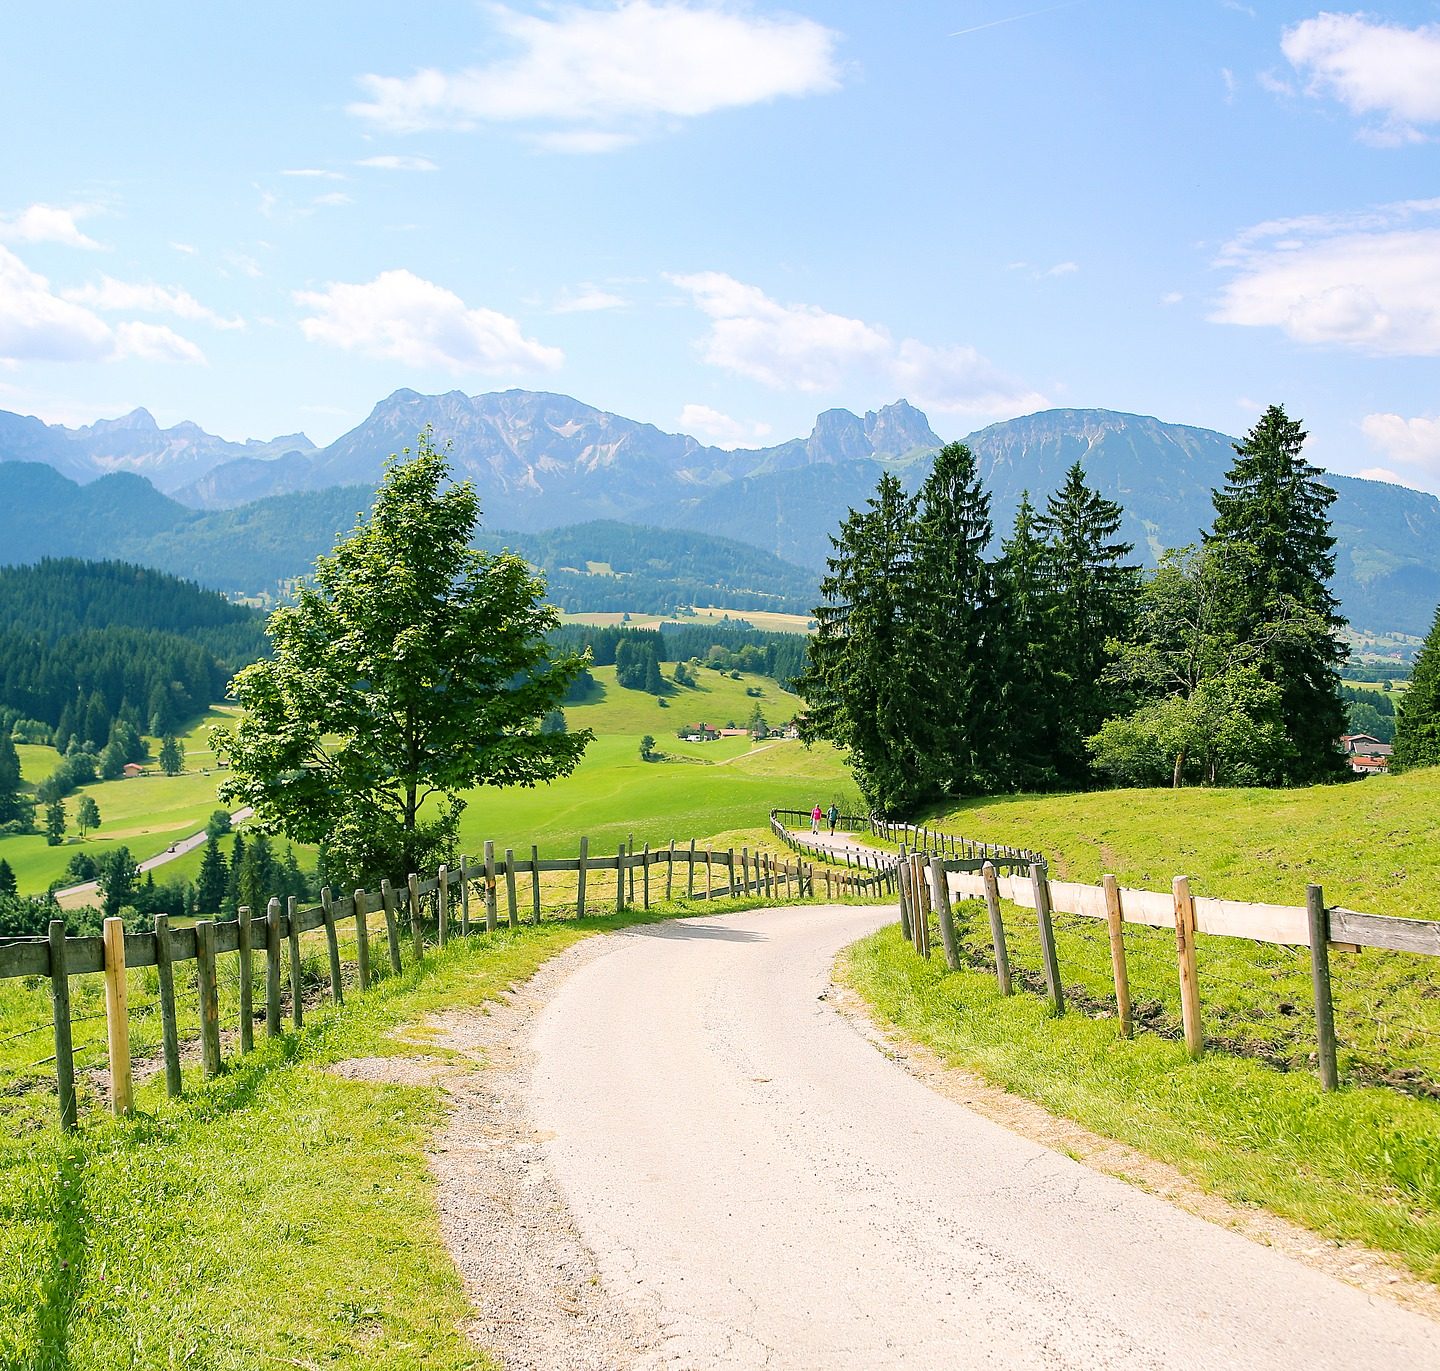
(894, 430)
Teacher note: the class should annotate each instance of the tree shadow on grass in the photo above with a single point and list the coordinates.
(65, 1276)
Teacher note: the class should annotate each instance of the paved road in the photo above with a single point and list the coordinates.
(751, 1170)
(173, 853)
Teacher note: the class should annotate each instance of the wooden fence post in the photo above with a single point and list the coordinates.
(1185, 957)
(580, 889)
(535, 884)
(620, 880)
(941, 899)
(709, 874)
(392, 924)
(332, 944)
(1040, 881)
(690, 885)
(442, 905)
(492, 919)
(512, 906)
(645, 876)
(292, 919)
(1115, 918)
(907, 923)
(745, 870)
(1319, 920)
(209, 996)
(117, 1016)
(630, 867)
(245, 936)
(272, 969)
(417, 933)
(464, 896)
(730, 864)
(169, 1028)
(60, 1007)
(997, 927)
(670, 873)
(361, 902)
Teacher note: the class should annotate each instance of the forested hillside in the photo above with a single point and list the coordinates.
(85, 643)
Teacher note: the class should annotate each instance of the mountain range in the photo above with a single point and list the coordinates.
(189, 502)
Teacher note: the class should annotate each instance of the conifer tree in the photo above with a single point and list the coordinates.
(172, 760)
(12, 806)
(1092, 604)
(955, 618)
(863, 677)
(8, 883)
(233, 900)
(55, 822)
(1273, 519)
(211, 882)
(1417, 730)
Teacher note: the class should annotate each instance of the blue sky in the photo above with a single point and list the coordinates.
(725, 217)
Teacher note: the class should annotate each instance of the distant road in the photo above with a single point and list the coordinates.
(174, 851)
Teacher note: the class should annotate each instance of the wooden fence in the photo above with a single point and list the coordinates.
(929, 880)
(459, 902)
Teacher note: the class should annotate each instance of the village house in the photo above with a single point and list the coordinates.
(1366, 754)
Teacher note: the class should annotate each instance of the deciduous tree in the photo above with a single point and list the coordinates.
(412, 669)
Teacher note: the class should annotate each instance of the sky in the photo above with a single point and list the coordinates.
(724, 217)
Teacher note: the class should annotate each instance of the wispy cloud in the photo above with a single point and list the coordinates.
(112, 296)
(1015, 18)
(47, 224)
(804, 347)
(1413, 444)
(588, 300)
(592, 80)
(1368, 280)
(314, 173)
(402, 317)
(394, 162)
(702, 421)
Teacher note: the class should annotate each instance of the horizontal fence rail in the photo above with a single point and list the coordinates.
(417, 913)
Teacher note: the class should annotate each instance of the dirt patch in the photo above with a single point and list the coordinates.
(535, 1288)
(393, 1070)
(1376, 1273)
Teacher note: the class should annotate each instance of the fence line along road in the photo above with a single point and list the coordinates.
(932, 867)
(437, 908)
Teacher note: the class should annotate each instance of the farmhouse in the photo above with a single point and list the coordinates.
(133, 769)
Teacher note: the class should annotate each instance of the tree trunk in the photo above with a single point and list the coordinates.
(1179, 768)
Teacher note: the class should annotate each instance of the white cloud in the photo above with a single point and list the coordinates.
(720, 429)
(1393, 478)
(400, 316)
(37, 325)
(1371, 67)
(154, 343)
(391, 162)
(602, 74)
(1171, 297)
(189, 249)
(46, 224)
(587, 300)
(315, 173)
(806, 348)
(1413, 443)
(116, 296)
(1369, 281)
(334, 197)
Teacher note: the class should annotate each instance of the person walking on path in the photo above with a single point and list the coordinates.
(833, 815)
(815, 817)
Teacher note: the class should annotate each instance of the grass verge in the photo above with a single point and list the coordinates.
(1362, 1164)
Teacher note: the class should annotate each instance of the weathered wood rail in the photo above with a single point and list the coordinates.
(417, 913)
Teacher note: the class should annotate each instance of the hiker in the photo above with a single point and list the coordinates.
(833, 814)
(815, 817)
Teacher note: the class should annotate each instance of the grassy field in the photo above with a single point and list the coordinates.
(145, 813)
(756, 618)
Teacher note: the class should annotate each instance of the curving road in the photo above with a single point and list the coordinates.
(755, 1177)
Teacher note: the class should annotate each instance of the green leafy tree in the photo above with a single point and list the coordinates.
(1417, 729)
(1272, 520)
(554, 721)
(87, 814)
(172, 759)
(863, 679)
(412, 669)
(118, 880)
(8, 885)
(1091, 605)
(81, 867)
(218, 824)
(55, 822)
(647, 748)
(111, 764)
(210, 884)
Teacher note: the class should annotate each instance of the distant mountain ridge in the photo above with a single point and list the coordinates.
(543, 461)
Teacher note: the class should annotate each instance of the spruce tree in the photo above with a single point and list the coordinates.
(954, 625)
(210, 884)
(863, 681)
(8, 883)
(12, 806)
(1027, 705)
(1417, 730)
(172, 760)
(1272, 519)
(1092, 598)
(233, 899)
